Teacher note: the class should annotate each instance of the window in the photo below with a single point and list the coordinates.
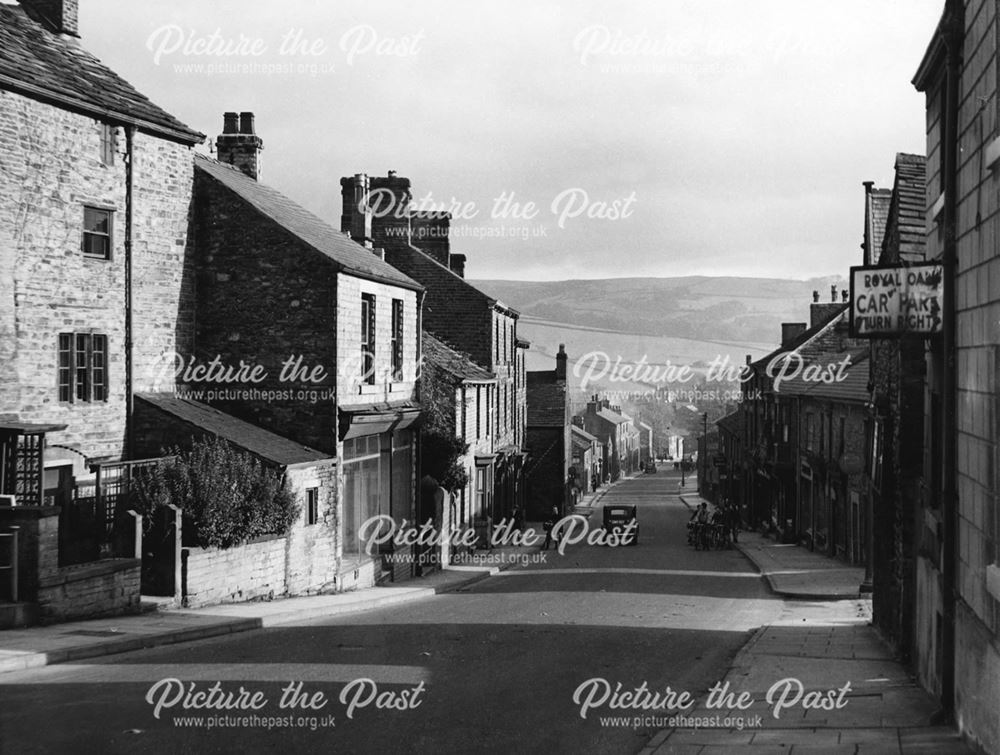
(397, 339)
(496, 349)
(83, 367)
(809, 431)
(842, 437)
(368, 338)
(479, 409)
(109, 143)
(312, 505)
(97, 233)
(362, 462)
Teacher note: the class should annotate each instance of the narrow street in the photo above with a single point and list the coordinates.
(499, 661)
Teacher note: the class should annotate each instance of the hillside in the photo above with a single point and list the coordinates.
(680, 320)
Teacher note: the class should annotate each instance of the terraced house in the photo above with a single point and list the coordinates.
(376, 211)
(129, 263)
(95, 191)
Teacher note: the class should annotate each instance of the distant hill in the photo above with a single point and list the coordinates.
(681, 320)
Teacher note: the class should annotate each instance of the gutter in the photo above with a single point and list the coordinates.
(104, 114)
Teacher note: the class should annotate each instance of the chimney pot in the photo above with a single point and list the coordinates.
(239, 146)
(845, 294)
(815, 296)
(833, 292)
(392, 174)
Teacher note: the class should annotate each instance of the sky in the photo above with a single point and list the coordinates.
(570, 140)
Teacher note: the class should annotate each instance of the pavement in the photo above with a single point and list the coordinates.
(67, 642)
(793, 571)
(823, 639)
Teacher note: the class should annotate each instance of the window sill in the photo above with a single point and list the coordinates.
(937, 207)
(367, 389)
(992, 157)
(993, 580)
(398, 388)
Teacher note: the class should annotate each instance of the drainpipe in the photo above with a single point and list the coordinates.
(418, 460)
(129, 219)
(954, 36)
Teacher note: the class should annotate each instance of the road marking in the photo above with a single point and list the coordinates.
(663, 572)
(217, 672)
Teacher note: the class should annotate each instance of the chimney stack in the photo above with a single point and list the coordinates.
(238, 144)
(790, 331)
(356, 215)
(561, 360)
(59, 16)
(389, 200)
(457, 264)
(429, 233)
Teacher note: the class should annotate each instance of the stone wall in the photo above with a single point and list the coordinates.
(246, 572)
(977, 304)
(353, 392)
(102, 588)
(302, 562)
(50, 168)
(264, 297)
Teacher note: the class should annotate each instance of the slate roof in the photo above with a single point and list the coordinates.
(905, 238)
(42, 65)
(348, 255)
(854, 387)
(836, 312)
(583, 435)
(547, 405)
(436, 277)
(256, 440)
(452, 362)
(613, 417)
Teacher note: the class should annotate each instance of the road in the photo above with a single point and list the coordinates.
(491, 668)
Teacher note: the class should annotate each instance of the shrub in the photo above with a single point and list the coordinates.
(228, 497)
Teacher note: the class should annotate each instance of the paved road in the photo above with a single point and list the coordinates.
(493, 668)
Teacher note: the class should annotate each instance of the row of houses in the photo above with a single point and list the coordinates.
(891, 462)
(152, 296)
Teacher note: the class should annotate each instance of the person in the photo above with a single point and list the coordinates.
(733, 521)
(701, 516)
(549, 525)
(518, 519)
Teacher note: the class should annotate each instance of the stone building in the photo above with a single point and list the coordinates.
(376, 210)
(95, 195)
(614, 430)
(334, 328)
(548, 440)
(460, 391)
(587, 455)
(803, 440)
(957, 580)
(895, 468)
